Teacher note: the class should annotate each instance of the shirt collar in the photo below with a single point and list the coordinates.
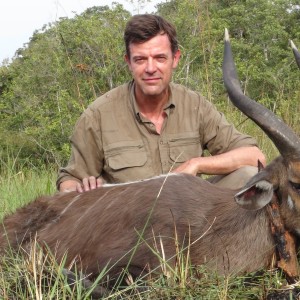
(169, 105)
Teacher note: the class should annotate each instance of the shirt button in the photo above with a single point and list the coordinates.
(161, 142)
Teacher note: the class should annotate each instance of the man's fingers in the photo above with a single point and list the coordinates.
(85, 184)
(99, 182)
(79, 188)
(91, 183)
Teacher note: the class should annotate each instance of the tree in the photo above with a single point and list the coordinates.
(63, 68)
(260, 31)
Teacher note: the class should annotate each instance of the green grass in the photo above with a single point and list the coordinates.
(21, 186)
(37, 276)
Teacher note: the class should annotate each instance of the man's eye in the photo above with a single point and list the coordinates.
(161, 59)
(139, 60)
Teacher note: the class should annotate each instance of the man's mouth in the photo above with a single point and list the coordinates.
(151, 80)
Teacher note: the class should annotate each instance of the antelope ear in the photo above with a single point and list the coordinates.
(255, 196)
(260, 166)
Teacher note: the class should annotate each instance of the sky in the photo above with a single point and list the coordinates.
(20, 18)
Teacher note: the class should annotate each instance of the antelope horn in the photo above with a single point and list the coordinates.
(284, 138)
(296, 53)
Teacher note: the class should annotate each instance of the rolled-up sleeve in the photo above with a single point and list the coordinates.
(219, 136)
(87, 151)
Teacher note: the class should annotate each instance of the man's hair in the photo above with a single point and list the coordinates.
(141, 28)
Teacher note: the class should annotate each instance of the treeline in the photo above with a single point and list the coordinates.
(67, 64)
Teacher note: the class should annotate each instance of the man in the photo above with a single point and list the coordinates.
(151, 126)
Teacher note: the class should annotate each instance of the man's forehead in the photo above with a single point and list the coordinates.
(158, 43)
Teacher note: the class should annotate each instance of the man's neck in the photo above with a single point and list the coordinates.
(152, 108)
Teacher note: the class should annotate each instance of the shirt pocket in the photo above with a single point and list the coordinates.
(184, 147)
(127, 154)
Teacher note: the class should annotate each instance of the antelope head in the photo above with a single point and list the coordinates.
(281, 178)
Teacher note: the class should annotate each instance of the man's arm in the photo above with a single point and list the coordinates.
(224, 163)
(212, 165)
(86, 159)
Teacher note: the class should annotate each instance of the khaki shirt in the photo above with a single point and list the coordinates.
(113, 140)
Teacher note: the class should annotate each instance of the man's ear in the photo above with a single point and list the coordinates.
(176, 59)
(127, 60)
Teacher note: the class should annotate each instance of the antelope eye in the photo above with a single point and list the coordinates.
(296, 186)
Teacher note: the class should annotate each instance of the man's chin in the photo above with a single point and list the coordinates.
(152, 91)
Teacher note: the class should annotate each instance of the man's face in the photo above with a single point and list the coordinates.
(151, 64)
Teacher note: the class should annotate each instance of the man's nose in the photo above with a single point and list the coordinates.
(151, 66)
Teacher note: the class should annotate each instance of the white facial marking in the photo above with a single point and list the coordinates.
(290, 202)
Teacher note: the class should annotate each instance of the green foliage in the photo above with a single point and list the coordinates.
(51, 81)
(67, 64)
(260, 33)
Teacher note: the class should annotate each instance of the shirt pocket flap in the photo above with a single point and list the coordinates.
(126, 155)
(185, 148)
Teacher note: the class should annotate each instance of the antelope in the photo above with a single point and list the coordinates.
(118, 226)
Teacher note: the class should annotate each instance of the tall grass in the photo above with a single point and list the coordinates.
(19, 185)
(36, 275)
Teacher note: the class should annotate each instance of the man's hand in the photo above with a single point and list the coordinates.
(224, 163)
(188, 167)
(88, 183)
